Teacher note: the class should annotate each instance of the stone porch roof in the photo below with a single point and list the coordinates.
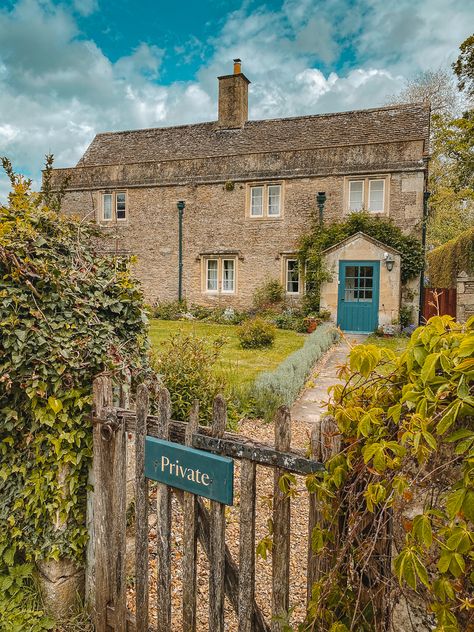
(360, 127)
(361, 235)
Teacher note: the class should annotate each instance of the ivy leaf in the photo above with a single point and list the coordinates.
(466, 348)
(449, 417)
(429, 366)
(422, 529)
(55, 404)
(455, 501)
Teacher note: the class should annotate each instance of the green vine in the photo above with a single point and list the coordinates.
(447, 261)
(67, 313)
(313, 244)
(406, 429)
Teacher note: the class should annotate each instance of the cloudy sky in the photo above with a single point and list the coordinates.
(74, 68)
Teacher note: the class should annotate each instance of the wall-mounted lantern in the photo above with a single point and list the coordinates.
(389, 261)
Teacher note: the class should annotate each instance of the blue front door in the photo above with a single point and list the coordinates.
(358, 297)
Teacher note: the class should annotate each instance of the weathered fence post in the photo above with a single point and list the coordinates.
(313, 515)
(106, 556)
(247, 546)
(217, 533)
(190, 535)
(163, 525)
(141, 513)
(281, 526)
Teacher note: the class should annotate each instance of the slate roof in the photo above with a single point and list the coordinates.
(359, 127)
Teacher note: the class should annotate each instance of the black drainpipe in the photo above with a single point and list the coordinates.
(180, 206)
(321, 200)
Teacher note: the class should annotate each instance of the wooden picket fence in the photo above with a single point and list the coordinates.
(106, 578)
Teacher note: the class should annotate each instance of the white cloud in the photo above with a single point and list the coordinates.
(58, 89)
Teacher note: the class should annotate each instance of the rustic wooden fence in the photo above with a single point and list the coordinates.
(106, 574)
(438, 301)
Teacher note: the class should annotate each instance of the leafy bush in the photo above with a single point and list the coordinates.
(67, 313)
(283, 385)
(406, 433)
(169, 310)
(448, 260)
(186, 366)
(269, 294)
(256, 334)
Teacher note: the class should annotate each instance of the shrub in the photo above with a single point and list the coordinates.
(186, 366)
(269, 294)
(283, 385)
(67, 313)
(448, 260)
(256, 334)
(169, 310)
(290, 319)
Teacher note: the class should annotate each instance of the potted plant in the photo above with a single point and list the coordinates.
(311, 321)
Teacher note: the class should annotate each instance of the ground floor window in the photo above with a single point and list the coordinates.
(220, 275)
(292, 276)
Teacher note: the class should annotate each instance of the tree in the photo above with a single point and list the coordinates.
(435, 86)
(464, 66)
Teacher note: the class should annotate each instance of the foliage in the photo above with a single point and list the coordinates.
(290, 318)
(447, 261)
(256, 334)
(169, 310)
(407, 434)
(186, 366)
(67, 313)
(19, 608)
(384, 230)
(270, 294)
(437, 87)
(405, 316)
(464, 66)
(283, 385)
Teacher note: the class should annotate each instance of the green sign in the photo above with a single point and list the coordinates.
(195, 471)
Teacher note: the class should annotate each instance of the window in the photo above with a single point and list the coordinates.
(376, 194)
(256, 201)
(367, 193)
(114, 206)
(228, 266)
(220, 275)
(265, 200)
(212, 266)
(359, 281)
(356, 195)
(292, 276)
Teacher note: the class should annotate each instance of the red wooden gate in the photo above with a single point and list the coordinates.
(438, 302)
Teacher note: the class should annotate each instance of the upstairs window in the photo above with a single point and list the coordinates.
(265, 201)
(367, 193)
(114, 206)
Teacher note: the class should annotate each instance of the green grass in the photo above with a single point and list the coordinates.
(240, 366)
(397, 344)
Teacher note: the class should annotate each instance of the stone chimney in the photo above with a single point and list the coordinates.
(233, 98)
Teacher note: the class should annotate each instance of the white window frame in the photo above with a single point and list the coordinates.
(366, 187)
(351, 182)
(286, 267)
(208, 289)
(371, 181)
(224, 291)
(265, 187)
(220, 274)
(114, 206)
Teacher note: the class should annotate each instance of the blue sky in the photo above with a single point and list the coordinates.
(74, 68)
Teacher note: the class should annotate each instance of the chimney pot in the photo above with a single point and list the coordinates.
(237, 66)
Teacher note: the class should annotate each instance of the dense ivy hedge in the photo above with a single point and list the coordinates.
(384, 230)
(448, 260)
(67, 313)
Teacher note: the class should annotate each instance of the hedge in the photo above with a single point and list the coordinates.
(447, 261)
(283, 385)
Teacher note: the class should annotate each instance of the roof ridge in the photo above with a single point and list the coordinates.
(400, 106)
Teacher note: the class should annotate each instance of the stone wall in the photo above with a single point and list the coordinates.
(216, 220)
(464, 297)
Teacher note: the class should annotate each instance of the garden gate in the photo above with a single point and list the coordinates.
(106, 575)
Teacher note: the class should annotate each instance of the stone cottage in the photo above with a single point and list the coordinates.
(250, 190)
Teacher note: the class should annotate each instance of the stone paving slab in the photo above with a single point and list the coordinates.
(312, 403)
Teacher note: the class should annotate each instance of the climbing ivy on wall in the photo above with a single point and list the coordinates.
(67, 313)
(450, 259)
(313, 244)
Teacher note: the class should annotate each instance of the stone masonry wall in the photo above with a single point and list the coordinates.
(215, 220)
(464, 297)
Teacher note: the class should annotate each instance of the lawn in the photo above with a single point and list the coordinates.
(397, 344)
(240, 366)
